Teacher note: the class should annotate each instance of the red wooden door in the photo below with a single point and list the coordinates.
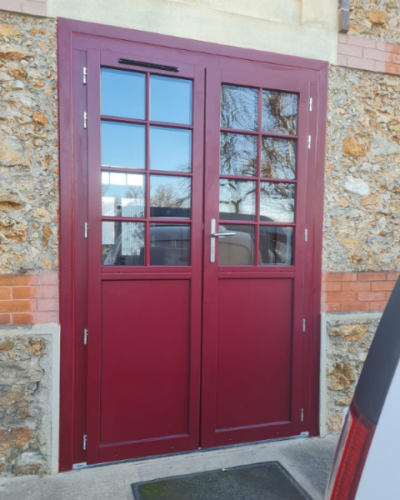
(255, 191)
(145, 176)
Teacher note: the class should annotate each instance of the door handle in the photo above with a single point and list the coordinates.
(216, 235)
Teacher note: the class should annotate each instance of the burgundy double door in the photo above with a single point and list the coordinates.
(197, 257)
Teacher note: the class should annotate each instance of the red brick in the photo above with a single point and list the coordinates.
(10, 306)
(5, 293)
(23, 292)
(376, 55)
(356, 286)
(350, 50)
(341, 297)
(331, 307)
(368, 296)
(392, 58)
(46, 317)
(393, 69)
(5, 319)
(377, 306)
(17, 279)
(361, 42)
(47, 305)
(393, 48)
(23, 319)
(361, 63)
(393, 276)
(331, 286)
(354, 306)
(47, 292)
(47, 278)
(388, 294)
(371, 276)
(348, 276)
(383, 285)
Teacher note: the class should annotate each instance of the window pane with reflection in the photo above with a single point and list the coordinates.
(238, 154)
(122, 243)
(279, 112)
(277, 202)
(169, 244)
(276, 245)
(170, 196)
(122, 194)
(239, 107)
(238, 249)
(237, 200)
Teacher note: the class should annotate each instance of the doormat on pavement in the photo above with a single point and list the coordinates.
(265, 481)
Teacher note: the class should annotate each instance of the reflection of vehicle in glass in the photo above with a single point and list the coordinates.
(169, 245)
(367, 460)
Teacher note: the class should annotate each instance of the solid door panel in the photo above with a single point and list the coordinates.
(254, 351)
(145, 360)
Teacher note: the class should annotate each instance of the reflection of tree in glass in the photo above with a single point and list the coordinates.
(239, 107)
(173, 195)
(237, 196)
(132, 238)
(279, 112)
(278, 158)
(277, 201)
(238, 154)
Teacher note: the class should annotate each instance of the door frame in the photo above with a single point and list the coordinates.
(76, 37)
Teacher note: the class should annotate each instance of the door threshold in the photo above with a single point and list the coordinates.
(84, 465)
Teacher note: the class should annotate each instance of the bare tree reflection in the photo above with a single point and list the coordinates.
(277, 202)
(239, 107)
(278, 158)
(170, 193)
(237, 197)
(238, 154)
(279, 112)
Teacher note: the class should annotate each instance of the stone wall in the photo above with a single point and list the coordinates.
(377, 19)
(28, 144)
(28, 388)
(362, 178)
(348, 340)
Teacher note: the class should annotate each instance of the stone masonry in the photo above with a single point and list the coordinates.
(376, 19)
(347, 349)
(28, 144)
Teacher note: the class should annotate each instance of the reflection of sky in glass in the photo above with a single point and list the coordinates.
(170, 149)
(279, 112)
(238, 154)
(170, 100)
(122, 93)
(122, 194)
(122, 145)
(278, 158)
(239, 107)
(237, 199)
(277, 202)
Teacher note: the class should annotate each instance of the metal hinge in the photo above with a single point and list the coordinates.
(84, 441)
(301, 416)
(85, 336)
(84, 76)
(86, 229)
(304, 325)
(309, 141)
(84, 119)
(309, 103)
(304, 434)
(306, 235)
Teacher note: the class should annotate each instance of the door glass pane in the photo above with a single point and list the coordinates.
(122, 243)
(237, 250)
(238, 154)
(170, 196)
(171, 100)
(278, 158)
(277, 202)
(123, 93)
(169, 245)
(122, 194)
(239, 107)
(237, 200)
(276, 245)
(171, 149)
(122, 145)
(279, 112)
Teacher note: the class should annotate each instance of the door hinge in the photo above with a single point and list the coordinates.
(85, 118)
(85, 336)
(304, 325)
(304, 434)
(309, 141)
(302, 415)
(310, 104)
(306, 235)
(86, 229)
(84, 441)
(84, 76)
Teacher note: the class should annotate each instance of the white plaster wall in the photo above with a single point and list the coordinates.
(306, 28)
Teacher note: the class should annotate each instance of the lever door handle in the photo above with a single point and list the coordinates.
(227, 233)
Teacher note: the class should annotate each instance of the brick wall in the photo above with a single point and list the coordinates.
(29, 299)
(371, 55)
(35, 7)
(346, 292)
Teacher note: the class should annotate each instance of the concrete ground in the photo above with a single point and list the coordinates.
(307, 459)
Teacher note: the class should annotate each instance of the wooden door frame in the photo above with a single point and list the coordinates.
(82, 36)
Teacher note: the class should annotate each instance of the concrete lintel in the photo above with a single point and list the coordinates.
(356, 316)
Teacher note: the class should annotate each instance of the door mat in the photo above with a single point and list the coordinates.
(264, 481)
